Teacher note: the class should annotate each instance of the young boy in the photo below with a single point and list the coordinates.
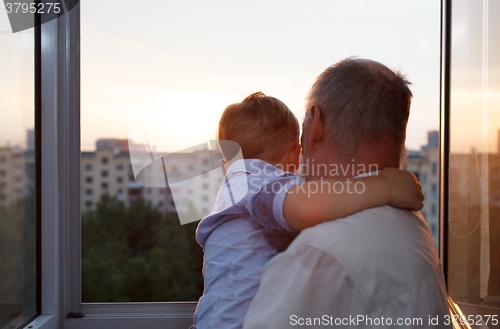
(253, 219)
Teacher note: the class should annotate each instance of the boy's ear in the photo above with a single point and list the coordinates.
(224, 166)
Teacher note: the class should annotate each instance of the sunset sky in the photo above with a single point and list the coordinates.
(175, 65)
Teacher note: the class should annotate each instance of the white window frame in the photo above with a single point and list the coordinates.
(60, 193)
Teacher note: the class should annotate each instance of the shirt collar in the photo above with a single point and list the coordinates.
(368, 174)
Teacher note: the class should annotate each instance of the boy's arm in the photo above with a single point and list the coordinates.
(314, 202)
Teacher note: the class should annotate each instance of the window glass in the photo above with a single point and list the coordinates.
(474, 180)
(154, 84)
(17, 176)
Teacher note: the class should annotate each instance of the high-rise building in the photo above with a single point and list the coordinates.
(12, 177)
(117, 145)
(193, 178)
(424, 164)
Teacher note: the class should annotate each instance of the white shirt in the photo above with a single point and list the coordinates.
(244, 231)
(377, 264)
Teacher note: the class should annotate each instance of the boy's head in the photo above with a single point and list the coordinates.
(263, 126)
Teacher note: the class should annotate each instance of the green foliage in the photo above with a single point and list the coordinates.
(138, 254)
(12, 252)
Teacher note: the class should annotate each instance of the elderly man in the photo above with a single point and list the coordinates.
(375, 268)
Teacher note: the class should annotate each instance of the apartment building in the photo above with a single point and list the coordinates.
(105, 172)
(193, 178)
(12, 176)
(425, 165)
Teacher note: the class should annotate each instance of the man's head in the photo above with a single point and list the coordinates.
(263, 126)
(357, 113)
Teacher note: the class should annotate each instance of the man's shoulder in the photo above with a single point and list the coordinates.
(382, 250)
(373, 223)
(377, 239)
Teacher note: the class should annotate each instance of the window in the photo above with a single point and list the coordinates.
(88, 179)
(104, 173)
(119, 168)
(20, 198)
(471, 156)
(104, 186)
(184, 96)
(469, 164)
(104, 160)
(88, 192)
(119, 179)
(88, 167)
(119, 192)
(433, 228)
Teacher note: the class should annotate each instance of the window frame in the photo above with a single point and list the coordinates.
(57, 79)
(444, 164)
(58, 56)
(444, 140)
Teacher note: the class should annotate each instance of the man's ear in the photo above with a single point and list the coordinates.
(316, 127)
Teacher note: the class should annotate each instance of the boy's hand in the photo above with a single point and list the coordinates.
(404, 189)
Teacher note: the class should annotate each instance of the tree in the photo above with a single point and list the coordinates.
(138, 254)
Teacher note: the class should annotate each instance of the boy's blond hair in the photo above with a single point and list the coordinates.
(262, 125)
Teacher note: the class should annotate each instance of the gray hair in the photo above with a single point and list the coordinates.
(361, 104)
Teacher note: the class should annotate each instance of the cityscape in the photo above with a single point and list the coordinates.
(194, 180)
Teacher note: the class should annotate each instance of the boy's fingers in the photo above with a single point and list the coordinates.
(418, 206)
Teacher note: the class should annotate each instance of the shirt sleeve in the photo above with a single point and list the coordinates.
(301, 284)
(266, 206)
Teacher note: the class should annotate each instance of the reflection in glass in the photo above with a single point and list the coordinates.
(474, 180)
(17, 170)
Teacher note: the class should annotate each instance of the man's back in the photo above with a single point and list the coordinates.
(377, 268)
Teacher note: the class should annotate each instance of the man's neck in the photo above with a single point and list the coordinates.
(348, 167)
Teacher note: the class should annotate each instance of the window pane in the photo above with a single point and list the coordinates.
(156, 78)
(17, 170)
(474, 180)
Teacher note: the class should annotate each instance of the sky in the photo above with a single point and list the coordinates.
(16, 83)
(175, 66)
